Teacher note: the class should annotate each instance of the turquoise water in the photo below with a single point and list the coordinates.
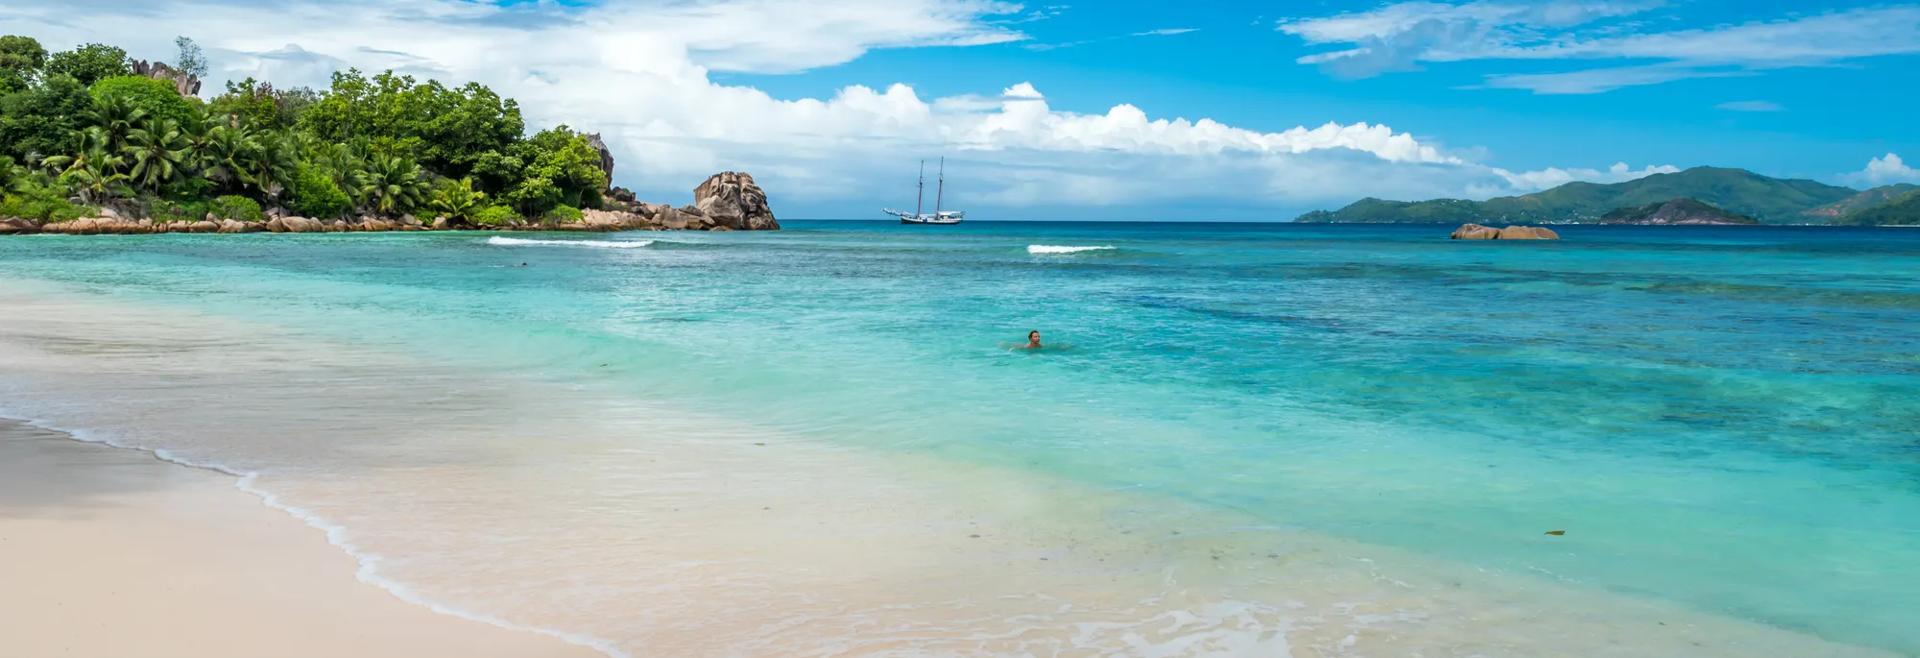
(1722, 417)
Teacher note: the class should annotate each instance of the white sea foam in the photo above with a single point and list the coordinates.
(1063, 249)
(499, 241)
(368, 563)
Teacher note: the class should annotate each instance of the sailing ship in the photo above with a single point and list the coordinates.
(938, 216)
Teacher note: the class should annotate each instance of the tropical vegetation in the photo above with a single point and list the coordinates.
(80, 131)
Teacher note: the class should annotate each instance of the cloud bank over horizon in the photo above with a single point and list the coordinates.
(643, 75)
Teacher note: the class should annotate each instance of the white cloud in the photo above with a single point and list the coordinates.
(1534, 181)
(1593, 81)
(1398, 36)
(1884, 170)
(642, 74)
(1750, 106)
(1166, 32)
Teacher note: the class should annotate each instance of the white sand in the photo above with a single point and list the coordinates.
(112, 553)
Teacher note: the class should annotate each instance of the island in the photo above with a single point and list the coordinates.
(1737, 194)
(94, 142)
(1676, 212)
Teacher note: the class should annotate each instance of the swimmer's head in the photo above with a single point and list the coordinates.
(1033, 336)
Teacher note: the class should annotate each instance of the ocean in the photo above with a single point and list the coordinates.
(1241, 439)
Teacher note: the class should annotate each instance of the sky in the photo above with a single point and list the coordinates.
(1114, 110)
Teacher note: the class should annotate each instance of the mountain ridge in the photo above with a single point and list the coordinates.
(1769, 200)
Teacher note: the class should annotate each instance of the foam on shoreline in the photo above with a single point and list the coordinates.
(337, 535)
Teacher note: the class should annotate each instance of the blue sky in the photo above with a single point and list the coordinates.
(1094, 110)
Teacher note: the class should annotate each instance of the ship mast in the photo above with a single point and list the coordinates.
(940, 190)
(920, 194)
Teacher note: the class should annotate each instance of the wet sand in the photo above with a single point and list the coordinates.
(110, 552)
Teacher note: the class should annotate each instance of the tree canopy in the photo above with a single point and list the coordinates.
(78, 128)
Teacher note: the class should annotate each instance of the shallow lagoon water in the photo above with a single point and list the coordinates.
(1721, 419)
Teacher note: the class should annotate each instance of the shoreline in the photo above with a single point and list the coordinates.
(951, 551)
(216, 574)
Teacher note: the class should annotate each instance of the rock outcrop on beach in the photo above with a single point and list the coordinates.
(731, 199)
(1478, 232)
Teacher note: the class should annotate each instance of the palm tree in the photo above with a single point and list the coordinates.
(158, 152)
(270, 163)
(12, 176)
(458, 201)
(117, 117)
(226, 157)
(96, 174)
(197, 132)
(393, 185)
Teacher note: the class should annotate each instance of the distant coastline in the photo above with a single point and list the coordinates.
(1701, 195)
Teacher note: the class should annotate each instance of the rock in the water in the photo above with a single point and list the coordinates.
(1528, 233)
(1478, 232)
(733, 200)
(1475, 232)
(203, 226)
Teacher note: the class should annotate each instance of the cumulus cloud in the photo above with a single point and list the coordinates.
(1399, 36)
(1885, 170)
(643, 75)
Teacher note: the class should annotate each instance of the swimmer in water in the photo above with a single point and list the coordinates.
(1033, 341)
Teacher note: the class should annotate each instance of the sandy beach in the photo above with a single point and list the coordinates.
(111, 552)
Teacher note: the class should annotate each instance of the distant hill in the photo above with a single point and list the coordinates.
(1903, 210)
(1675, 212)
(1770, 200)
(1861, 201)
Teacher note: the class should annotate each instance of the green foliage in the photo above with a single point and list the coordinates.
(77, 126)
(392, 185)
(44, 120)
(176, 210)
(156, 153)
(457, 200)
(315, 194)
(258, 105)
(236, 207)
(95, 175)
(191, 61)
(21, 59)
(89, 63)
(553, 168)
(155, 98)
(1902, 210)
(565, 215)
(1737, 190)
(447, 129)
(1842, 211)
(495, 216)
(45, 203)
